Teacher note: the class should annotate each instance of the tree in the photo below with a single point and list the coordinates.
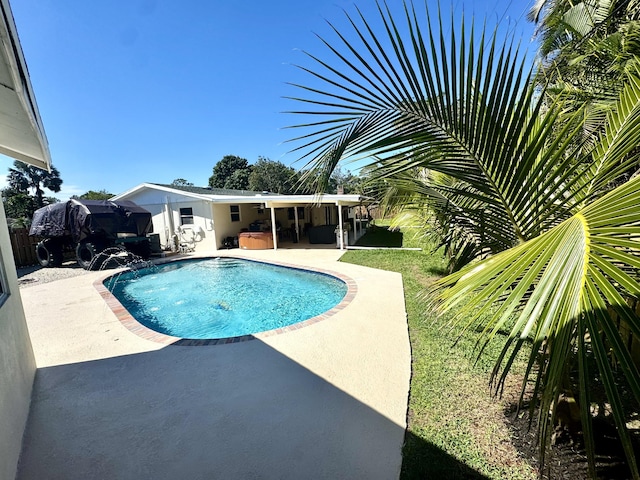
(225, 168)
(94, 195)
(181, 182)
(459, 125)
(271, 176)
(582, 41)
(239, 180)
(23, 177)
(348, 182)
(18, 205)
(587, 50)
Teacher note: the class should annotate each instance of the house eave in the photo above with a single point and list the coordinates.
(22, 134)
(269, 200)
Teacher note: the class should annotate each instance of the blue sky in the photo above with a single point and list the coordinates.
(134, 91)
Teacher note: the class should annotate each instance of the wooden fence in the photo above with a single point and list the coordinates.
(631, 340)
(24, 247)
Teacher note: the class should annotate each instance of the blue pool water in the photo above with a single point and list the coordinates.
(223, 297)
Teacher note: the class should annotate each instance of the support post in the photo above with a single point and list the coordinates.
(295, 215)
(341, 238)
(170, 224)
(274, 230)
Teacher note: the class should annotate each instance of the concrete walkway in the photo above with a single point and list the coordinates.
(327, 401)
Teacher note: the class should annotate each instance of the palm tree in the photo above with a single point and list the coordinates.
(22, 177)
(586, 52)
(462, 110)
(427, 200)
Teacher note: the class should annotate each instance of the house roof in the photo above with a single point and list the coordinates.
(22, 134)
(208, 190)
(244, 196)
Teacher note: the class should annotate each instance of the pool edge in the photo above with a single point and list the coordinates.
(135, 327)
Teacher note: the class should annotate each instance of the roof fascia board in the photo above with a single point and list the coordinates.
(290, 200)
(268, 200)
(153, 186)
(14, 56)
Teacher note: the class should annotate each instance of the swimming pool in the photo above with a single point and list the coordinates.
(225, 297)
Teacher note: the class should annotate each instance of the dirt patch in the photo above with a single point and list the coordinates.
(567, 460)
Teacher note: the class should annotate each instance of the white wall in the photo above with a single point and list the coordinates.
(319, 216)
(223, 225)
(155, 201)
(17, 363)
(201, 218)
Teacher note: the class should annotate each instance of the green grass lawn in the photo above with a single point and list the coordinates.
(380, 237)
(456, 429)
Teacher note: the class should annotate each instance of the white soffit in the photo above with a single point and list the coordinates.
(22, 134)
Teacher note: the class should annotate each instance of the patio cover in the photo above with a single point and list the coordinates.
(283, 201)
(21, 132)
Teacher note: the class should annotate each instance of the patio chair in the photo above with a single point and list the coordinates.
(186, 239)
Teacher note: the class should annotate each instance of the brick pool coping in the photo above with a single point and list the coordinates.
(131, 324)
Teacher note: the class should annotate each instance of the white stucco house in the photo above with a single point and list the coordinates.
(21, 137)
(210, 218)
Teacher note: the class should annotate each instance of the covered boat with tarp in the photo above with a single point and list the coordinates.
(89, 227)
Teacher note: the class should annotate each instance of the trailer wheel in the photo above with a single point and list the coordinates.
(49, 254)
(86, 253)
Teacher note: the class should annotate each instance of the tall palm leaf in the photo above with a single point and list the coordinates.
(448, 210)
(450, 107)
(556, 291)
(586, 51)
(461, 105)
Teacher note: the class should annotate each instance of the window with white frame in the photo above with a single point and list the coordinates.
(235, 212)
(186, 216)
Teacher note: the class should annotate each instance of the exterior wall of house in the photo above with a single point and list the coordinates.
(17, 362)
(202, 224)
(252, 214)
(225, 227)
(282, 217)
(166, 220)
(319, 215)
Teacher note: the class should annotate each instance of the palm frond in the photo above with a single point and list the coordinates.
(457, 128)
(549, 289)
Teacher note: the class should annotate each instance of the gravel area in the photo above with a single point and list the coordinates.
(35, 275)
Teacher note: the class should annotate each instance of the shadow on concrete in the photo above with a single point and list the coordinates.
(424, 460)
(236, 411)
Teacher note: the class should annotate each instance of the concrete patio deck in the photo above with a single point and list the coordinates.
(327, 401)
